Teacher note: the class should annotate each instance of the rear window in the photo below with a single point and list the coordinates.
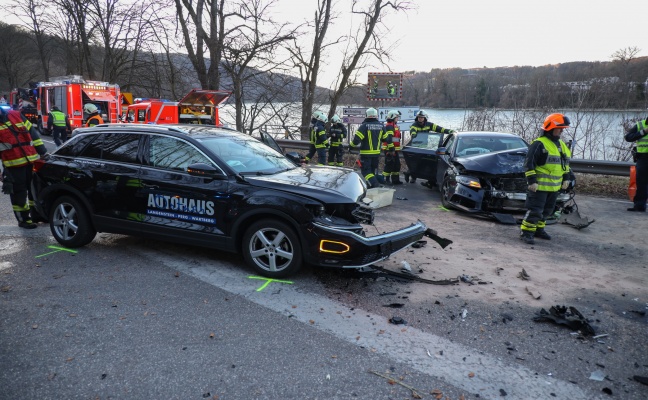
(120, 147)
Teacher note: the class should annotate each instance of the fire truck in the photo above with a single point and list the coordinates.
(197, 107)
(69, 94)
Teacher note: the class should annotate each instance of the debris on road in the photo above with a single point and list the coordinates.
(567, 316)
(397, 321)
(523, 275)
(533, 292)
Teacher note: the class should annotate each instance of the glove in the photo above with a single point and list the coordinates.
(533, 187)
(565, 185)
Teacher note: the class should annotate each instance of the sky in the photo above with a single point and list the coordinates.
(498, 33)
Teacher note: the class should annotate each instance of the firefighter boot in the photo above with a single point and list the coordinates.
(527, 237)
(540, 233)
(24, 220)
(396, 180)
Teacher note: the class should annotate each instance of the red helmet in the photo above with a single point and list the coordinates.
(554, 121)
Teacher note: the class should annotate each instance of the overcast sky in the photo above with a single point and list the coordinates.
(499, 33)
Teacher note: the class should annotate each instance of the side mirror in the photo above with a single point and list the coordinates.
(296, 158)
(205, 171)
(441, 151)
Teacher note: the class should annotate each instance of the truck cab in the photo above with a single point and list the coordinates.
(197, 107)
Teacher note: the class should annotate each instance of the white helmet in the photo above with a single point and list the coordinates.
(335, 119)
(393, 114)
(421, 113)
(371, 113)
(90, 108)
(320, 116)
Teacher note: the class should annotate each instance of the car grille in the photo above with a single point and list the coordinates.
(363, 214)
(517, 184)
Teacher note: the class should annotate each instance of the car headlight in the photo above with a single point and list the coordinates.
(469, 181)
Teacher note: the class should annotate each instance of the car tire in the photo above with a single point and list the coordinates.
(70, 222)
(272, 248)
(445, 193)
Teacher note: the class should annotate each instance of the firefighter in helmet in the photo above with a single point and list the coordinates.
(318, 138)
(547, 171)
(20, 146)
(337, 133)
(369, 138)
(94, 118)
(639, 134)
(59, 124)
(392, 150)
(421, 124)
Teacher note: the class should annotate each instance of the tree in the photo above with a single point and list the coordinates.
(36, 14)
(77, 13)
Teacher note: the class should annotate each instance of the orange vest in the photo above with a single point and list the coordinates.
(14, 133)
(96, 120)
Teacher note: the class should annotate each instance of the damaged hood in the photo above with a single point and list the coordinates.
(498, 163)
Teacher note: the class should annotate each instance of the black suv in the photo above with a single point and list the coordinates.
(212, 187)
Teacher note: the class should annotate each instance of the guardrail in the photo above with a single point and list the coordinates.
(596, 167)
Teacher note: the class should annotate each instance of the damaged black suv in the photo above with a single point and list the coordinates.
(211, 187)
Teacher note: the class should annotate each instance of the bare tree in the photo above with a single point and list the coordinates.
(250, 52)
(35, 14)
(17, 66)
(77, 11)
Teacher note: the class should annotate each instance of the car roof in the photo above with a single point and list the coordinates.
(182, 130)
(486, 134)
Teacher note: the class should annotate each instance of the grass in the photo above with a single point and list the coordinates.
(603, 185)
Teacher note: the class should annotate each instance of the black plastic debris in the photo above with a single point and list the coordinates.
(401, 198)
(419, 244)
(394, 305)
(566, 316)
(397, 321)
(641, 379)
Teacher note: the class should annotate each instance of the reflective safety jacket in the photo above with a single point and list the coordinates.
(392, 129)
(337, 133)
(58, 119)
(17, 146)
(318, 134)
(369, 137)
(94, 120)
(547, 163)
(639, 134)
(427, 127)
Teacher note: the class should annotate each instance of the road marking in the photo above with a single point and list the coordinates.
(56, 250)
(267, 281)
(403, 344)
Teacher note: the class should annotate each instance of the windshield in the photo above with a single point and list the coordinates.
(247, 155)
(473, 145)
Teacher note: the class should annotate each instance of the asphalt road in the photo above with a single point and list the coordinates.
(129, 318)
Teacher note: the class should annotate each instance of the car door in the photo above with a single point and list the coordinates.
(444, 160)
(177, 203)
(111, 165)
(421, 157)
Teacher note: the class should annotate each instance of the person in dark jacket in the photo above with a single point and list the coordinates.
(639, 135)
(318, 138)
(20, 146)
(337, 134)
(59, 124)
(369, 138)
(547, 171)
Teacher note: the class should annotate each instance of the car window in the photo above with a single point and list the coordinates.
(247, 155)
(426, 140)
(114, 147)
(473, 145)
(175, 154)
(75, 146)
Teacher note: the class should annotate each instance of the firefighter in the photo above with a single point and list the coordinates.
(547, 171)
(369, 137)
(94, 118)
(392, 150)
(20, 146)
(639, 135)
(337, 134)
(59, 124)
(421, 124)
(318, 138)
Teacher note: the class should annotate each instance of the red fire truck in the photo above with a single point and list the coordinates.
(197, 107)
(69, 94)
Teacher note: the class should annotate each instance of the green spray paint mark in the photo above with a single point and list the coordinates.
(56, 250)
(443, 208)
(267, 281)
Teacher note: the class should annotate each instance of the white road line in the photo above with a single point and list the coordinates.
(409, 345)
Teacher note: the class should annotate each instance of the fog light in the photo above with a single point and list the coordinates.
(331, 246)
